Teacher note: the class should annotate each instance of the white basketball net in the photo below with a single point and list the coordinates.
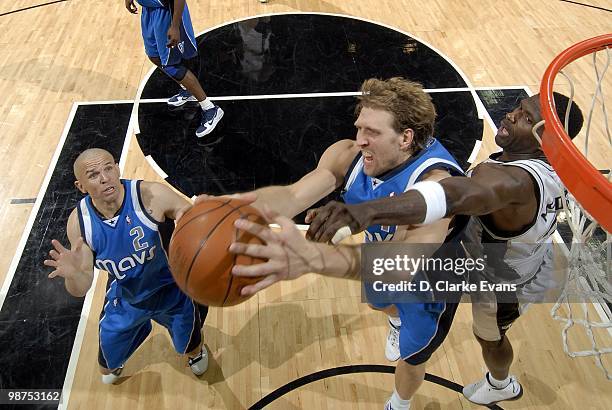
(588, 290)
(588, 285)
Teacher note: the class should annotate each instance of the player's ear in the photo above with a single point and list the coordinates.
(79, 186)
(407, 138)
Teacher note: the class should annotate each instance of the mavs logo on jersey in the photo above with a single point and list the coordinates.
(125, 264)
(128, 248)
(361, 187)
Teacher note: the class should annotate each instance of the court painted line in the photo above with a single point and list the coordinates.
(300, 95)
(503, 87)
(104, 102)
(80, 333)
(342, 370)
(156, 167)
(16, 201)
(32, 7)
(41, 193)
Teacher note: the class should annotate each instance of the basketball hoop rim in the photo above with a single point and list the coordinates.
(590, 188)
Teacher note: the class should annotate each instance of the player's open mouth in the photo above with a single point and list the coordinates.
(109, 190)
(502, 131)
(367, 157)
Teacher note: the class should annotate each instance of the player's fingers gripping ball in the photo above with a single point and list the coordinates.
(199, 258)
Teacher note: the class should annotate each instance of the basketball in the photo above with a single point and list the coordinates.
(199, 257)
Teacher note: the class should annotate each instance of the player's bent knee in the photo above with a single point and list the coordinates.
(176, 71)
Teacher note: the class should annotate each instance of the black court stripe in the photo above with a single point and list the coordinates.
(586, 5)
(39, 318)
(32, 7)
(15, 201)
(338, 371)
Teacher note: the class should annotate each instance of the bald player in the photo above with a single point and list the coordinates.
(116, 228)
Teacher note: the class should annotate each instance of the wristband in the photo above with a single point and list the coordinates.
(435, 200)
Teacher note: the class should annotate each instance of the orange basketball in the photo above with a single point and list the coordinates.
(199, 257)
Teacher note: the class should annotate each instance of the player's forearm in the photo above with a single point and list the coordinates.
(406, 209)
(179, 6)
(338, 261)
(462, 196)
(280, 199)
(78, 284)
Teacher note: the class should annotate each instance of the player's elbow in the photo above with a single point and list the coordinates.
(77, 293)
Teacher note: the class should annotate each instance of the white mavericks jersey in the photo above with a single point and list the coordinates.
(516, 257)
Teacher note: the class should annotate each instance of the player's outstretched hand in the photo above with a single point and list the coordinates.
(288, 253)
(248, 197)
(130, 6)
(67, 262)
(335, 221)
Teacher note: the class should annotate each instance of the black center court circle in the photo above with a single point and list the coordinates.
(337, 371)
(287, 83)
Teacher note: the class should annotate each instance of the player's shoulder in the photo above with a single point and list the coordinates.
(338, 157)
(509, 180)
(73, 227)
(157, 197)
(343, 150)
(498, 169)
(345, 144)
(150, 190)
(436, 175)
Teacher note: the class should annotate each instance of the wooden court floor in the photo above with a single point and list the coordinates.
(71, 51)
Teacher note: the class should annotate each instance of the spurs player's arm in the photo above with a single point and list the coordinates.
(506, 192)
(75, 265)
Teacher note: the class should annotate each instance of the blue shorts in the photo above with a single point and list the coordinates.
(424, 328)
(155, 22)
(123, 326)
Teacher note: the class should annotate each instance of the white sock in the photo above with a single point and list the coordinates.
(395, 321)
(499, 384)
(206, 104)
(397, 403)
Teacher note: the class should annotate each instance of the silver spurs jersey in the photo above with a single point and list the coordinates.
(517, 257)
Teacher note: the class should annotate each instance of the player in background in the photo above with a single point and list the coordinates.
(170, 44)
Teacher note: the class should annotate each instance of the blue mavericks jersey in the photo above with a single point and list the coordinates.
(361, 187)
(153, 3)
(127, 246)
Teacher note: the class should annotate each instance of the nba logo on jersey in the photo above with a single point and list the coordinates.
(128, 220)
